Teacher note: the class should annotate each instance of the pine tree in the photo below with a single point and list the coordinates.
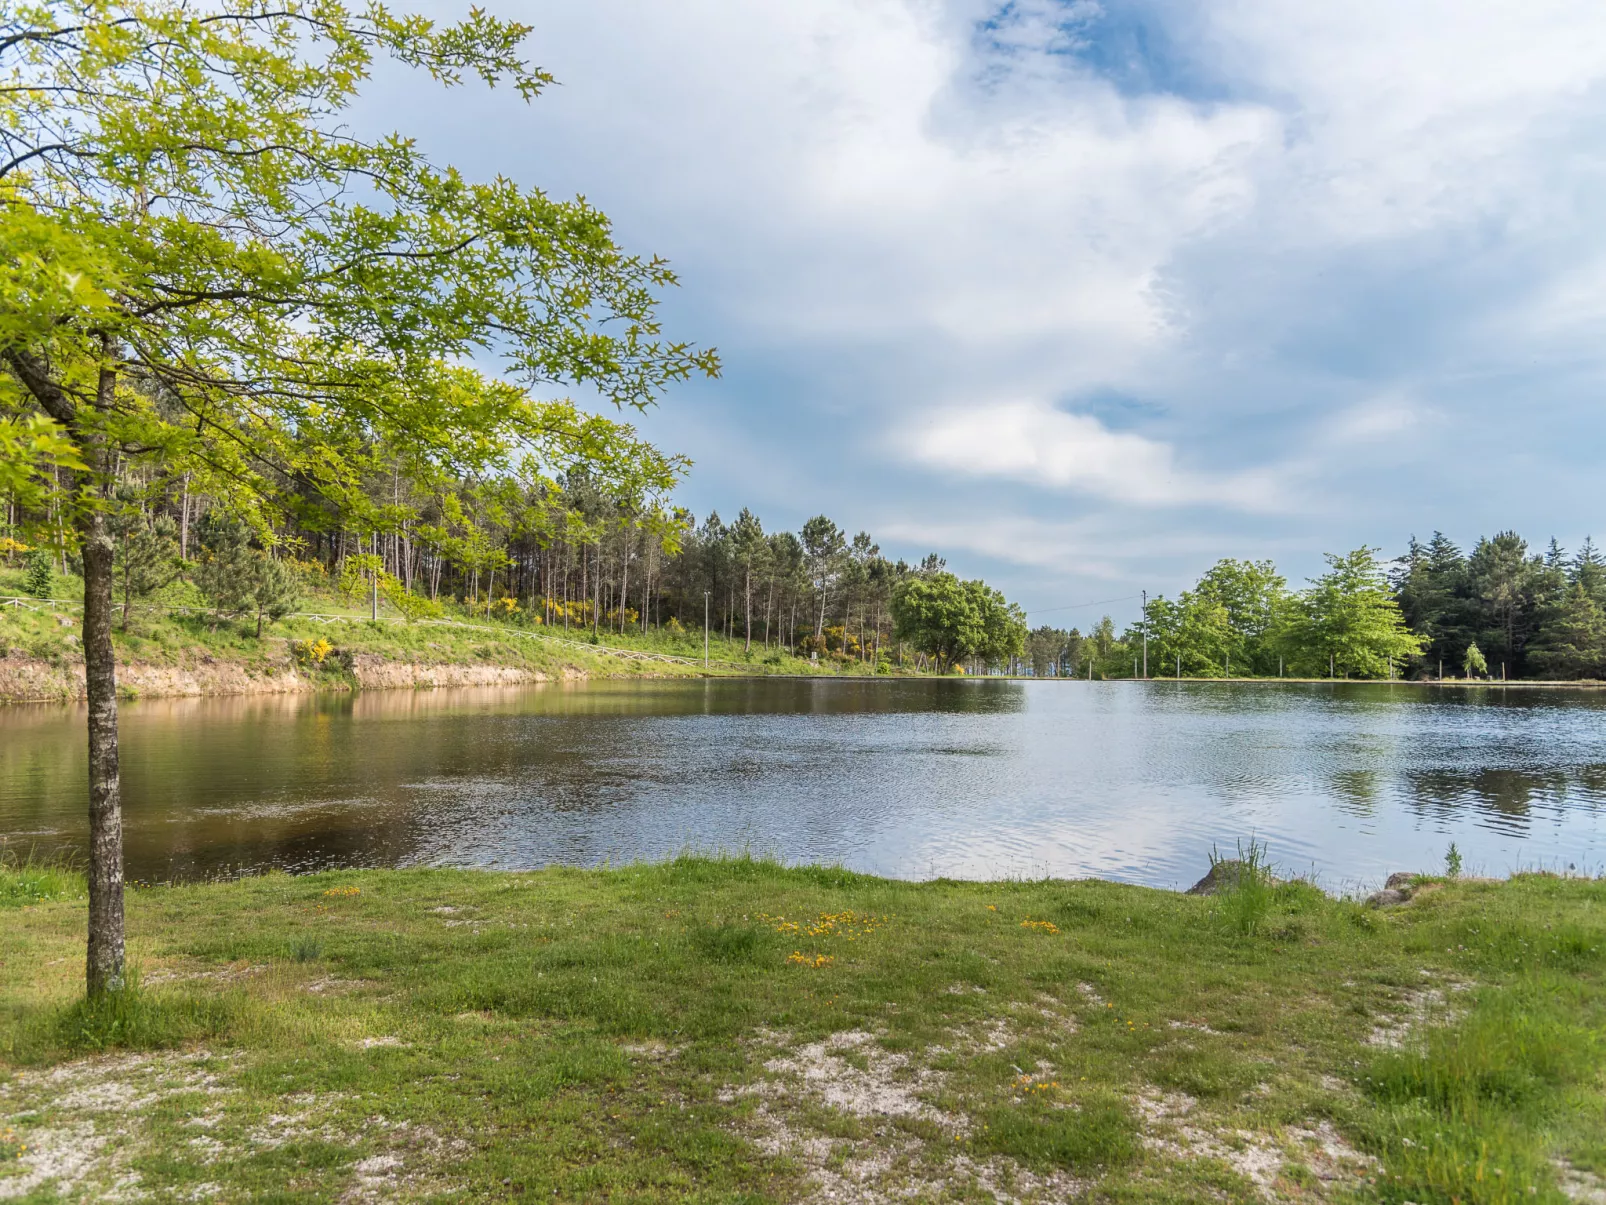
(1588, 569)
(40, 574)
(1571, 642)
(225, 573)
(1432, 588)
(1503, 579)
(147, 555)
(275, 589)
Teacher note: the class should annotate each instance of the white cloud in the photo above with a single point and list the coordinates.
(1033, 442)
(1386, 418)
(1329, 232)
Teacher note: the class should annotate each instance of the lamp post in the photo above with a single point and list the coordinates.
(705, 628)
(1145, 634)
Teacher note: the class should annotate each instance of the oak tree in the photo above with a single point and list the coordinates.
(206, 267)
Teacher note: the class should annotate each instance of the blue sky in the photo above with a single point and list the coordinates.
(1088, 295)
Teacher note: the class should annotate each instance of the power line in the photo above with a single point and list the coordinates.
(1103, 602)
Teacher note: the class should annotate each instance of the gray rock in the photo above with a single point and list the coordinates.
(1222, 877)
(1388, 897)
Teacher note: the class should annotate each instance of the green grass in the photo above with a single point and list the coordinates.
(27, 879)
(710, 1030)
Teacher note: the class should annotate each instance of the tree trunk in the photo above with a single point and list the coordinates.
(624, 581)
(104, 969)
(747, 622)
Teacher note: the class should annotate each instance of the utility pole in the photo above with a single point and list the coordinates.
(373, 589)
(1179, 667)
(1145, 633)
(1331, 672)
(705, 628)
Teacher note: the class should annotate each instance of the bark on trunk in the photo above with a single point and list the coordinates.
(105, 959)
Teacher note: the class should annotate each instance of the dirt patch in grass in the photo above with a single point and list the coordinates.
(887, 1085)
(1416, 1010)
(1176, 1127)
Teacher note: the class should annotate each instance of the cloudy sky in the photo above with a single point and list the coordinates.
(1086, 295)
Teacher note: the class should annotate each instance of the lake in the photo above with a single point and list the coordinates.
(912, 778)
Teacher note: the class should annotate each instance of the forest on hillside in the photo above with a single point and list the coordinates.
(573, 552)
(577, 553)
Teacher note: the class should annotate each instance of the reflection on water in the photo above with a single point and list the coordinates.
(914, 778)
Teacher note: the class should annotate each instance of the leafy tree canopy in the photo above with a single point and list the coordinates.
(950, 620)
(205, 267)
(1348, 620)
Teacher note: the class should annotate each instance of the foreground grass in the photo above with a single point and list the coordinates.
(737, 1031)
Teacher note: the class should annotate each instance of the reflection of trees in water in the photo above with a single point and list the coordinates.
(1356, 791)
(1506, 793)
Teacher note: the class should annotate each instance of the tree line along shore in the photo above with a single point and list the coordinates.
(206, 589)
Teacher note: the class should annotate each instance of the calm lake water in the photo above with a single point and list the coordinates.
(976, 779)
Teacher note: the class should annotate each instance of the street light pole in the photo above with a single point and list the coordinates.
(1145, 634)
(705, 628)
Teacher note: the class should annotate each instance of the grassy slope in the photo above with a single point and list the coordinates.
(159, 633)
(581, 1035)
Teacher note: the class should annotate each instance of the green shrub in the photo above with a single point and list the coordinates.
(1248, 890)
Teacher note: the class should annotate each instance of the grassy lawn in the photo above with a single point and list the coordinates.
(737, 1031)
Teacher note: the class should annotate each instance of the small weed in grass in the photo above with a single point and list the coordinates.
(306, 949)
(727, 942)
(1248, 890)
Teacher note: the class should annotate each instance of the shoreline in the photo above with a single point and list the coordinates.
(37, 680)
